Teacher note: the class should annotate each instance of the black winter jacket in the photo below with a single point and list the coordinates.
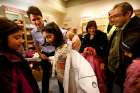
(99, 42)
(130, 33)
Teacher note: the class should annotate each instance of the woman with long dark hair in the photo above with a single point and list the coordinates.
(15, 74)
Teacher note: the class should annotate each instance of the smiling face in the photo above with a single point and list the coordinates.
(36, 20)
(91, 30)
(15, 41)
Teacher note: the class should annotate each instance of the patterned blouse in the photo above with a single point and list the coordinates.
(60, 59)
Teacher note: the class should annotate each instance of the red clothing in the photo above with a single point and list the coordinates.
(96, 64)
(15, 75)
(132, 75)
(19, 77)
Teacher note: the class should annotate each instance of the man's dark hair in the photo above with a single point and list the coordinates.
(34, 10)
(126, 7)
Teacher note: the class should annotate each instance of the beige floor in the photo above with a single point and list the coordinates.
(53, 88)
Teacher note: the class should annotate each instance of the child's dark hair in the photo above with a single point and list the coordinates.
(91, 23)
(7, 27)
(54, 29)
(34, 10)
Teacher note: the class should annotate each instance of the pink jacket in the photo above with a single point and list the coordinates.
(97, 65)
(132, 85)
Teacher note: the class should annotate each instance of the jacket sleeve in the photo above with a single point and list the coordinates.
(104, 44)
(83, 43)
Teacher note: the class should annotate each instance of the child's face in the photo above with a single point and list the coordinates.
(15, 41)
(49, 37)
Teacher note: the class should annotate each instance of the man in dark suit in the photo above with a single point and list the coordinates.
(128, 27)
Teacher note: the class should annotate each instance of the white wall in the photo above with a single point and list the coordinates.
(96, 9)
(20, 4)
(53, 10)
(56, 11)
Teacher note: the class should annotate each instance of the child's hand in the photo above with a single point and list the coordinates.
(43, 56)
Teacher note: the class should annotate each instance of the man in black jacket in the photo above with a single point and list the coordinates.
(128, 27)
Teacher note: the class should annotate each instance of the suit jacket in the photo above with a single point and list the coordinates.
(129, 34)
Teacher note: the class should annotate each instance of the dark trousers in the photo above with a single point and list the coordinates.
(46, 67)
(110, 79)
(61, 87)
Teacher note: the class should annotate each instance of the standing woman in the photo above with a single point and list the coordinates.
(15, 74)
(95, 39)
(98, 41)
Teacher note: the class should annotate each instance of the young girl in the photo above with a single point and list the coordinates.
(55, 37)
(15, 75)
(83, 80)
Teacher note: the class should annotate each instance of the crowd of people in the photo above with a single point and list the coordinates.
(113, 54)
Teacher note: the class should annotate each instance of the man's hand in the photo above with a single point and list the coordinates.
(76, 43)
(69, 35)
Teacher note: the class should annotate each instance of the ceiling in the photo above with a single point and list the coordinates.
(70, 3)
